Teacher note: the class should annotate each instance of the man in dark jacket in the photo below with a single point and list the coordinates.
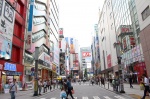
(69, 88)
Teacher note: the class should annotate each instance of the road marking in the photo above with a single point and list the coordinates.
(107, 97)
(53, 98)
(96, 97)
(42, 98)
(75, 97)
(119, 97)
(85, 98)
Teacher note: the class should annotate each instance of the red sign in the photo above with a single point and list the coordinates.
(86, 54)
(1, 66)
(132, 41)
(109, 61)
(61, 31)
(124, 43)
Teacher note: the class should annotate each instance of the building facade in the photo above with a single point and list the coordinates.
(119, 39)
(85, 60)
(143, 12)
(11, 45)
(42, 32)
(107, 38)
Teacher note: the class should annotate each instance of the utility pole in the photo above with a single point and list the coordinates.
(120, 66)
(36, 72)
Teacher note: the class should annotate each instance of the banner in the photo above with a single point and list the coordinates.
(109, 61)
(7, 17)
(30, 23)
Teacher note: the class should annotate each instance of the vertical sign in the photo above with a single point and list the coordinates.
(71, 46)
(29, 34)
(109, 61)
(60, 31)
(7, 17)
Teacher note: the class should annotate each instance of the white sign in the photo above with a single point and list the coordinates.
(7, 17)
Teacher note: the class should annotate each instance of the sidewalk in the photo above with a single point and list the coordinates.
(134, 92)
(28, 93)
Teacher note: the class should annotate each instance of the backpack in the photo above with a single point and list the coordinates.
(63, 95)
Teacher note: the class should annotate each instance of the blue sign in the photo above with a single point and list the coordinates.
(10, 67)
(30, 15)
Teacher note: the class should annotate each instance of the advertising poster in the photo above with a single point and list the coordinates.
(7, 17)
(71, 46)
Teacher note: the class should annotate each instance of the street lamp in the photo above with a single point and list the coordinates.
(118, 45)
(36, 72)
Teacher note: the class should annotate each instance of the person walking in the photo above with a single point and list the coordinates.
(130, 80)
(13, 89)
(146, 85)
(40, 86)
(63, 94)
(45, 86)
(70, 88)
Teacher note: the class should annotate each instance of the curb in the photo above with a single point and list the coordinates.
(45, 93)
(126, 95)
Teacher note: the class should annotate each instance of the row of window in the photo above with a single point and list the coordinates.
(37, 36)
(38, 20)
(40, 6)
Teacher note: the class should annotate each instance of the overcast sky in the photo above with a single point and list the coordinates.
(77, 18)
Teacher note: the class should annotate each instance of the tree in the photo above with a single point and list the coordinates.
(85, 73)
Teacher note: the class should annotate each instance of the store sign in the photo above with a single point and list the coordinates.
(86, 54)
(13, 73)
(7, 17)
(10, 67)
(44, 59)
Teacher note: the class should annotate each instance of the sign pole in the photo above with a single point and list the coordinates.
(36, 72)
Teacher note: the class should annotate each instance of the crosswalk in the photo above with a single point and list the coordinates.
(94, 97)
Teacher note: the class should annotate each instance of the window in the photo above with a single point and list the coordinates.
(110, 15)
(145, 13)
(108, 3)
(112, 26)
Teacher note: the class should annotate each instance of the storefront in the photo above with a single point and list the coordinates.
(134, 63)
(8, 72)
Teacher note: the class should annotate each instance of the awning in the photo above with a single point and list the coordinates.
(106, 70)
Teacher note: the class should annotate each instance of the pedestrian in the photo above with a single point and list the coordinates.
(48, 84)
(146, 85)
(117, 82)
(69, 88)
(13, 89)
(40, 86)
(65, 85)
(45, 86)
(131, 80)
(63, 94)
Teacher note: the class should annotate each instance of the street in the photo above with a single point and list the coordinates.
(83, 91)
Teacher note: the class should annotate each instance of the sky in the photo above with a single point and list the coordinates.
(77, 18)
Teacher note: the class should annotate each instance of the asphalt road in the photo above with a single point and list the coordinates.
(85, 91)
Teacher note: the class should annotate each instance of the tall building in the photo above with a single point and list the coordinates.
(85, 59)
(43, 32)
(12, 31)
(143, 13)
(119, 39)
(72, 57)
(107, 38)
